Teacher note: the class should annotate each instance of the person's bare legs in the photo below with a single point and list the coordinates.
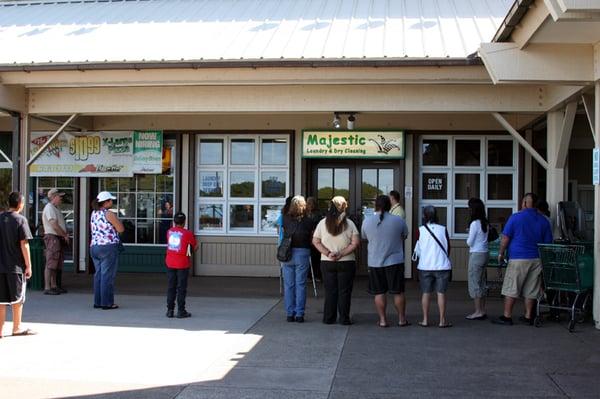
(479, 308)
(17, 313)
(49, 279)
(380, 305)
(441, 300)
(509, 303)
(400, 304)
(425, 305)
(2, 318)
(529, 307)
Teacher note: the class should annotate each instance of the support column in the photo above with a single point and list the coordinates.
(528, 166)
(555, 174)
(23, 156)
(597, 214)
(16, 146)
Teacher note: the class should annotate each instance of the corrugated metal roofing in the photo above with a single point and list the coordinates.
(89, 31)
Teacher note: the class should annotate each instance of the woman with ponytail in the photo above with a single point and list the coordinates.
(336, 237)
(386, 234)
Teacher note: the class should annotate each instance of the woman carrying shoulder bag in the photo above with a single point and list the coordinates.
(433, 248)
(298, 227)
(336, 237)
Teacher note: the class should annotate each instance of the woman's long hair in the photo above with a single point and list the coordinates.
(336, 218)
(478, 213)
(382, 205)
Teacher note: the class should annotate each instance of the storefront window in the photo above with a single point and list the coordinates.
(145, 203)
(255, 174)
(435, 152)
(499, 216)
(435, 186)
(466, 185)
(468, 153)
(449, 181)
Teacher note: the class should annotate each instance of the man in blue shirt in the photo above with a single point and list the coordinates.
(523, 231)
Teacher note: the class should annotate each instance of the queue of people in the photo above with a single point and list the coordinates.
(336, 238)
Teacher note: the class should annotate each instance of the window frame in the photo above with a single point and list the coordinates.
(451, 169)
(257, 201)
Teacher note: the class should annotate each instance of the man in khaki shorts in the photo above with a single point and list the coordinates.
(55, 240)
(521, 235)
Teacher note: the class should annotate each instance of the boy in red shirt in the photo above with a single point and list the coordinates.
(179, 241)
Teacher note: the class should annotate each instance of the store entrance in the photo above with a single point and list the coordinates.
(360, 182)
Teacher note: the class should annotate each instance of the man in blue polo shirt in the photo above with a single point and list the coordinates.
(521, 235)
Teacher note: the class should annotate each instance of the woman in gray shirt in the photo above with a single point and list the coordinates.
(386, 234)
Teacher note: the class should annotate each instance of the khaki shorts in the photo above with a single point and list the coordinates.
(523, 278)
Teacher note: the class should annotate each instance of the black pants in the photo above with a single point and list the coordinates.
(338, 279)
(178, 279)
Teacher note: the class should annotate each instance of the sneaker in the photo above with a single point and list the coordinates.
(525, 320)
(506, 321)
(290, 319)
(183, 314)
(170, 313)
(51, 291)
(299, 319)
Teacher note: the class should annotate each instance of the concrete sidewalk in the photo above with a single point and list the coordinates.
(243, 348)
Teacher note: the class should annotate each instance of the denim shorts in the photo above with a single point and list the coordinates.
(434, 280)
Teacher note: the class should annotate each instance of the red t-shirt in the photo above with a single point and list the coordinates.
(178, 240)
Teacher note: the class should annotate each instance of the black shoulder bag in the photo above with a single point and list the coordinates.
(284, 250)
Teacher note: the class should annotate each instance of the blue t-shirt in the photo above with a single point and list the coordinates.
(280, 224)
(386, 239)
(526, 229)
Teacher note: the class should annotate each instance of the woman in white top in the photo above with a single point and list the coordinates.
(433, 250)
(336, 237)
(478, 257)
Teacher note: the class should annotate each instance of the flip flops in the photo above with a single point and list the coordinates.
(447, 325)
(405, 324)
(386, 325)
(23, 333)
(423, 324)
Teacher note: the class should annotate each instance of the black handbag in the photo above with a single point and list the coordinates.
(284, 249)
(492, 233)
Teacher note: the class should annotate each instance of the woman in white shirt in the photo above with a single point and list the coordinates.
(433, 250)
(336, 237)
(478, 257)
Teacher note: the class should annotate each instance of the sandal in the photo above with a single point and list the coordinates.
(447, 325)
(24, 333)
(423, 324)
(113, 306)
(405, 324)
(383, 325)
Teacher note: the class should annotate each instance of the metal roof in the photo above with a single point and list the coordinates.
(155, 31)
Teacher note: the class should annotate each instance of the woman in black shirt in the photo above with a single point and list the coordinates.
(300, 228)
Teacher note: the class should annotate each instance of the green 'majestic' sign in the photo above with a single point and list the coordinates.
(353, 144)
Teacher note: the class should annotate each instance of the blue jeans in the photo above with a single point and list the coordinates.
(294, 281)
(106, 260)
(178, 280)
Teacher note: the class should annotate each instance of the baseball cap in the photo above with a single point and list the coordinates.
(53, 192)
(105, 196)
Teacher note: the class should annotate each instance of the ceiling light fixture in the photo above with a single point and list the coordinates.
(336, 121)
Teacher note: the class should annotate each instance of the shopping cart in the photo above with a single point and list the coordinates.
(494, 283)
(569, 271)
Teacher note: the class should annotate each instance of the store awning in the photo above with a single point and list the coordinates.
(49, 33)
